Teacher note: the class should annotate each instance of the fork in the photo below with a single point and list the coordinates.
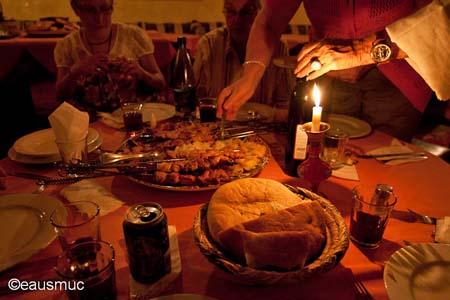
(361, 293)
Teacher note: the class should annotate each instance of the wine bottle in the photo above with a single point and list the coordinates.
(299, 112)
(183, 80)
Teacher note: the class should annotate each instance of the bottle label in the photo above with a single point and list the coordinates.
(300, 144)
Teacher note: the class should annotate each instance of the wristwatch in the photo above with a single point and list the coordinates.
(381, 51)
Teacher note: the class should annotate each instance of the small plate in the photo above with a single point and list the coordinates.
(42, 143)
(37, 160)
(262, 112)
(355, 127)
(160, 110)
(419, 271)
(24, 226)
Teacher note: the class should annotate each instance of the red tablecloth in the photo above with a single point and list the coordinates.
(423, 186)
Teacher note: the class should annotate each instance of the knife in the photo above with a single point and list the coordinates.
(391, 154)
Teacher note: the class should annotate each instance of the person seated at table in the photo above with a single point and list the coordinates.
(104, 61)
(221, 54)
(350, 40)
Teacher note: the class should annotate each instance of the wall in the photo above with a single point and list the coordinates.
(157, 11)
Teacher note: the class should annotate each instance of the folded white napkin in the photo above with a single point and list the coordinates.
(141, 291)
(395, 147)
(346, 172)
(69, 124)
(90, 190)
(111, 120)
(117, 121)
(442, 234)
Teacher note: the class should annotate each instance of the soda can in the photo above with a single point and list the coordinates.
(146, 236)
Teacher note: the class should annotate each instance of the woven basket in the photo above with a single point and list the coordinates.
(335, 247)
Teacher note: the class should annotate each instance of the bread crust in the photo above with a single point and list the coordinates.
(244, 200)
(264, 225)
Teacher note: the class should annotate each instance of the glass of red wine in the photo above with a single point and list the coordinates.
(87, 269)
(370, 214)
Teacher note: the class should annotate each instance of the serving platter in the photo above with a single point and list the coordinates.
(208, 161)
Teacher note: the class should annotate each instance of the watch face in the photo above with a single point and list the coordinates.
(381, 53)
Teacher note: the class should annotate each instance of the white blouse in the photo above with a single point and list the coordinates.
(130, 41)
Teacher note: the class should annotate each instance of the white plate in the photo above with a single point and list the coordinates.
(24, 226)
(355, 127)
(160, 110)
(31, 159)
(42, 142)
(263, 111)
(184, 297)
(420, 271)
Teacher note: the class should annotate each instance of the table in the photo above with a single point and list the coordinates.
(423, 186)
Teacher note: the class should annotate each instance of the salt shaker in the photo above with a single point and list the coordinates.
(382, 194)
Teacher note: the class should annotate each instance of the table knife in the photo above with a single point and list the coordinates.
(391, 154)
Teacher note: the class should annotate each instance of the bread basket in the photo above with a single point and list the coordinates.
(335, 247)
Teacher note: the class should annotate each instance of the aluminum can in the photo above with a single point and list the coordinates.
(146, 236)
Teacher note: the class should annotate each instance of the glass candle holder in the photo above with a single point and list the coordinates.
(314, 169)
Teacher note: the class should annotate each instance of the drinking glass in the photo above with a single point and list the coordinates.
(208, 109)
(88, 270)
(76, 222)
(133, 116)
(369, 216)
(334, 144)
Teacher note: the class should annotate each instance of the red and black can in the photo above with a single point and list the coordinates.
(147, 239)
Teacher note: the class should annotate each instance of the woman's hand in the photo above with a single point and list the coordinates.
(88, 65)
(335, 55)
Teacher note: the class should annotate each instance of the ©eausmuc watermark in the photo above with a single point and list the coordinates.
(15, 284)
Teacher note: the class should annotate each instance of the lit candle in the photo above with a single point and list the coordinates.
(317, 110)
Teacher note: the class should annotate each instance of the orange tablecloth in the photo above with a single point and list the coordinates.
(423, 186)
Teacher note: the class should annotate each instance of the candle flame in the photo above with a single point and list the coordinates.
(316, 95)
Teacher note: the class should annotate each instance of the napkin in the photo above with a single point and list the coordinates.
(70, 127)
(90, 190)
(141, 291)
(69, 123)
(442, 234)
(111, 120)
(117, 121)
(395, 147)
(346, 172)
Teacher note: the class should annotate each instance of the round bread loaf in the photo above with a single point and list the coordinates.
(244, 200)
(263, 224)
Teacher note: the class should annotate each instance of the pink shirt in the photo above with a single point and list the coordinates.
(352, 19)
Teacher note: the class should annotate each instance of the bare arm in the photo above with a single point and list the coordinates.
(264, 36)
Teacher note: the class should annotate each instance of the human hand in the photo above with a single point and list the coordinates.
(89, 65)
(333, 55)
(233, 96)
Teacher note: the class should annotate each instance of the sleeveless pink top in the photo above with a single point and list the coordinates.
(352, 19)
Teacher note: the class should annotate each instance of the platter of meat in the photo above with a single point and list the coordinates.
(206, 161)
